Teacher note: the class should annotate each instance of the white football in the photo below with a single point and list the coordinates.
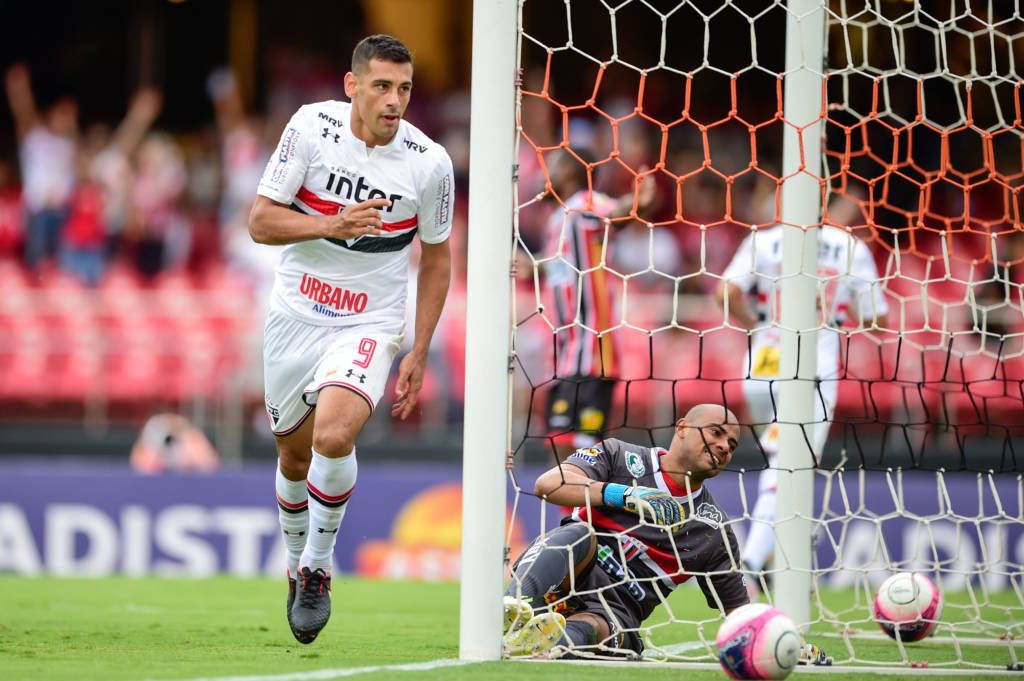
(758, 641)
(908, 605)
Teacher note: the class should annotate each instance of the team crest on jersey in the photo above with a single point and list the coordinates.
(709, 514)
(635, 464)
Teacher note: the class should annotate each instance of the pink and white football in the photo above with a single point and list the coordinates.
(908, 605)
(758, 641)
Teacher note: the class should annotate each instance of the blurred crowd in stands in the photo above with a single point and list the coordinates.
(129, 274)
(129, 242)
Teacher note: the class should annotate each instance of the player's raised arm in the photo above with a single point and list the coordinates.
(274, 223)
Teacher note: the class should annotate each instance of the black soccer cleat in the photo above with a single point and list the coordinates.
(311, 607)
(291, 599)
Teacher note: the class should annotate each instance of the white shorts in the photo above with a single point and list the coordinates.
(300, 359)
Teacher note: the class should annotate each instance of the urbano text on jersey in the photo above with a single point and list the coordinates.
(334, 296)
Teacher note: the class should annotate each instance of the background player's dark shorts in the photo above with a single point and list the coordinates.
(579, 404)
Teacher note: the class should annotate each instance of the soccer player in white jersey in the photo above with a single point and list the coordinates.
(347, 189)
(751, 284)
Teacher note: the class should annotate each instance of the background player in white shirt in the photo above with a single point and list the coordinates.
(751, 284)
(348, 188)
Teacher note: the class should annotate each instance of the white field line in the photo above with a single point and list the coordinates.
(660, 652)
(801, 669)
(327, 674)
(962, 640)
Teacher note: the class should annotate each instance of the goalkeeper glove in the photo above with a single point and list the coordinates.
(652, 505)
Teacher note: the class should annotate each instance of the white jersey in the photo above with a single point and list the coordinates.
(318, 168)
(847, 272)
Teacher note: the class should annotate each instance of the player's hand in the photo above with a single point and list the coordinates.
(652, 505)
(358, 219)
(408, 385)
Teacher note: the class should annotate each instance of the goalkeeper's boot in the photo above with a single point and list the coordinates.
(542, 632)
(812, 654)
(517, 614)
(312, 606)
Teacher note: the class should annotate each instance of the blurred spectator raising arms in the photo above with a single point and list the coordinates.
(46, 147)
(101, 201)
(242, 161)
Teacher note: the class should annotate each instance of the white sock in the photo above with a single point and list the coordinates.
(761, 538)
(329, 484)
(293, 513)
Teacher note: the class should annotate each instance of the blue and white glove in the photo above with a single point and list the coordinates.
(652, 505)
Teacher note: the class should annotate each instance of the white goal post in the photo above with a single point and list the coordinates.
(801, 211)
(488, 328)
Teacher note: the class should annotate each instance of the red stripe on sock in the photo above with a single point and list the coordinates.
(284, 503)
(326, 497)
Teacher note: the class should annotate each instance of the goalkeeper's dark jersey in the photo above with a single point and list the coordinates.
(649, 559)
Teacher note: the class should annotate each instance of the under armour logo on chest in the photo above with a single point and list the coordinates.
(328, 134)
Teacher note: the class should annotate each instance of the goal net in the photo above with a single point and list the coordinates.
(631, 308)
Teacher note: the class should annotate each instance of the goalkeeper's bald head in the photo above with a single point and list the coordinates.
(703, 443)
(711, 413)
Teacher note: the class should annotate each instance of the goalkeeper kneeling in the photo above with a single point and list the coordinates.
(643, 522)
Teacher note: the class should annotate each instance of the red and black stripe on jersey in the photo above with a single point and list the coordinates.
(405, 230)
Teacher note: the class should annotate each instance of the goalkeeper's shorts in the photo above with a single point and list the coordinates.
(608, 597)
(596, 591)
(301, 359)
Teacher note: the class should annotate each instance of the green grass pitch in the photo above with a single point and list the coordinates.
(163, 629)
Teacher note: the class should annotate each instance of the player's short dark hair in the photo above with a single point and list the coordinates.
(382, 47)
